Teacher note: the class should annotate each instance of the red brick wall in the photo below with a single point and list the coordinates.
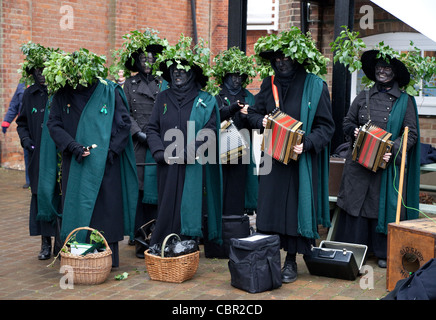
(98, 26)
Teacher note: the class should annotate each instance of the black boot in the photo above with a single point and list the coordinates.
(289, 271)
(45, 252)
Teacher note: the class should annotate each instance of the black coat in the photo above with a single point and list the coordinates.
(167, 115)
(277, 205)
(29, 126)
(140, 95)
(234, 175)
(65, 114)
(359, 192)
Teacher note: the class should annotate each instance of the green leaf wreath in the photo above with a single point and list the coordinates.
(185, 56)
(80, 67)
(234, 60)
(133, 41)
(295, 45)
(348, 48)
(36, 56)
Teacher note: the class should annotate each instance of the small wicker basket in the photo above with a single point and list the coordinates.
(171, 269)
(92, 268)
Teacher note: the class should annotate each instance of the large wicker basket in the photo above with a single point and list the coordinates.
(171, 269)
(92, 268)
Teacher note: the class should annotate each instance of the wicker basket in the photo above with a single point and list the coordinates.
(171, 269)
(92, 268)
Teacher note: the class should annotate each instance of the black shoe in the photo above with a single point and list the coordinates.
(45, 252)
(382, 263)
(289, 272)
(26, 186)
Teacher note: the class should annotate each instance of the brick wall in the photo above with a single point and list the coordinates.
(98, 26)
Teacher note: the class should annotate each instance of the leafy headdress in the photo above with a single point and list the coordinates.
(81, 67)
(185, 56)
(234, 60)
(410, 66)
(293, 44)
(36, 56)
(135, 43)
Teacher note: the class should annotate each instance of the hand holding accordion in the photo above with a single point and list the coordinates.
(282, 133)
(371, 144)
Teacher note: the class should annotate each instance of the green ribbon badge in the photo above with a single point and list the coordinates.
(227, 99)
(68, 108)
(34, 110)
(165, 108)
(104, 109)
(200, 101)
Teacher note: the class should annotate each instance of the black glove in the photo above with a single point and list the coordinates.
(141, 137)
(77, 150)
(234, 107)
(28, 144)
(111, 156)
(159, 157)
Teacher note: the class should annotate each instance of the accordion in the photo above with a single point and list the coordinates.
(232, 143)
(282, 133)
(371, 144)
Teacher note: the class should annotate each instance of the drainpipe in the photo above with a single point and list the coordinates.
(194, 20)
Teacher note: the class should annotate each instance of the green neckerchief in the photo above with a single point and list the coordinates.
(388, 193)
(191, 206)
(308, 216)
(49, 194)
(150, 170)
(252, 183)
(85, 178)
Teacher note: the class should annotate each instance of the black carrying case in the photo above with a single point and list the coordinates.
(254, 263)
(233, 226)
(336, 260)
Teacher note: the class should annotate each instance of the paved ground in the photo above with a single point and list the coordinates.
(24, 277)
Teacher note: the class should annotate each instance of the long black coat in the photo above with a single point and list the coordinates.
(29, 126)
(168, 114)
(234, 175)
(62, 124)
(277, 205)
(359, 193)
(140, 95)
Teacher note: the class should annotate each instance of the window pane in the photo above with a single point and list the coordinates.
(429, 87)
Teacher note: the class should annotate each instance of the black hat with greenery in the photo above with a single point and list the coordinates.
(184, 57)
(293, 44)
(81, 67)
(137, 42)
(36, 56)
(370, 59)
(234, 60)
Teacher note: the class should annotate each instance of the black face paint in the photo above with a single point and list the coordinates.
(284, 65)
(384, 74)
(37, 75)
(179, 77)
(148, 62)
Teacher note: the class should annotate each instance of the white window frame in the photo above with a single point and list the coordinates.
(400, 41)
(263, 15)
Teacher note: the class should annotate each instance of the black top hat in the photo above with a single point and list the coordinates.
(369, 60)
(130, 62)
(201, 78)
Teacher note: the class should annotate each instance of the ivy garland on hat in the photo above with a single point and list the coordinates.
(234, 60)
(136, 42)
(410, 67)
(187, 57)
(293, 44)
(36, 56)
(81, 67)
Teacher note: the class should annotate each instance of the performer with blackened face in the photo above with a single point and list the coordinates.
(286, 204)
(368, 199)
(141, 91)
(29, 128)
(181, 114)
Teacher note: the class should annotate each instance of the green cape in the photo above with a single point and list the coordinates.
(191, 206)
(85, 178)
(308, 216)
(389, 183)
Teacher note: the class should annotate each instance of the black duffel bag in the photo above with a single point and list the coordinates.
(254, 263)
